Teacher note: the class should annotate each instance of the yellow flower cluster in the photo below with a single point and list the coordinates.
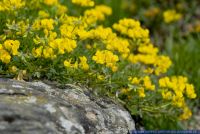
(79, 46)
(186, 114)
(8, 48)
(149, 56)
(119, 44)
(98, 13)
(132, 29)
(171, 16)
(53, 47)
(84, 3)
(106, 57)
(101, 33)
(73, 27)
(6, 5)
(106, 35)
(50, 2)
(4, 55)
(110, 39)
(63, 45)
(42, 51)
(46, 24)
(12, 46)
(142, 84)
(178, 85)
(60, 9)
(148, 49)
(82, 64)
(174, 89)
(162, 64)
(69, 64)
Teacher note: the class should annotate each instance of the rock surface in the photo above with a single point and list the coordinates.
(38, 108)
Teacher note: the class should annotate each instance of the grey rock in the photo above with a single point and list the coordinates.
(39, 108)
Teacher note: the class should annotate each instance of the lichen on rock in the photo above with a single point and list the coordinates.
(36, 107)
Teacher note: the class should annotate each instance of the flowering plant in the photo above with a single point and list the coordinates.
(45, 39)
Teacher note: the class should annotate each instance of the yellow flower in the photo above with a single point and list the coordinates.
(186, 114)
(114, 68)
(37, 52)
(48, 53)
(134, 80)
(11, 4)
(4, 56)
(148, 70)
(68, 45)
(162, 63)
(75, 65)
(63, 45)
(141, 92)
(178, 101)
(99, 57)
(101, 33)
(47, 24)
(179, 85)
(83, 63)
(163, 82)
(148, 84)
(50, 2)
(73, 27)
(61, 9)
(84, 3)
(91, 16)
(148, 49)
(171, 16)
(67, 63)
(107, 58)
(174, 88)
(12, 46)
(119, 44)
(143, 58)
(132, 29)
(190, 92)
(167, 94)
